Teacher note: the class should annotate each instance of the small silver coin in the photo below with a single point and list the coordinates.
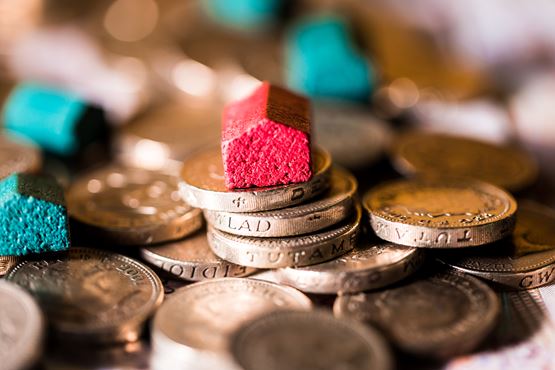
(327, 210)
(287, 252)
(202, 185)
(21, 328)
(441, 316)
(354, 138)
(132, 206)
(371, 266)
(308, 340)
(191, 259)
(192, 327)
(92, 295)
(18, 155)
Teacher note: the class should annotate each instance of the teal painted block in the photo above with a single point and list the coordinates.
(33, 216)
(243, 14)
(55, 120)
(323, 62)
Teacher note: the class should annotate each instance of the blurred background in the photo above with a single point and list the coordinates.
(160, 71)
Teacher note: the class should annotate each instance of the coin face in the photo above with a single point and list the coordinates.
(17, 155)
(368, 266)
(201, 316)
(21, 328)
(308, 340)
(92, 294)
(526, 262)
(440, 213)
(354, 138)
(192, 259)
(288, 251)
(7, 262)
(132, 206)
(202, 185)
(330, 208)
(424, 153)
(439, 316)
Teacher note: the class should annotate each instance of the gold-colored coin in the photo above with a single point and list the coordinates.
(440, 213)
(132, 206)
(444, 155)
(7, 262)
(528, 262)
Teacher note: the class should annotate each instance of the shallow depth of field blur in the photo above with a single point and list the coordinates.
(162, 70)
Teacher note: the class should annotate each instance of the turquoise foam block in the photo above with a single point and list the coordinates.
(57, 121)
(33, 216)
(243, 14)
(323, 62)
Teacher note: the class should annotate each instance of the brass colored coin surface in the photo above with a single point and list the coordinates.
(287, 252)
(131, 206)
(7, 262)
(440, 213)
(17, 155)
(371, 265)
(525, 262)
(443, 155)
(202, 185)
(191, 259)
(439, 316)
(90, 294)
(332, 207)
(297, 340)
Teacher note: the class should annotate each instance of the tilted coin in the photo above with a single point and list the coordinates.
(202, 185)
(425, 153)
(440, 213)
(7, 262)
(308, 340)
(21, 328)
(17, 155)
(371, 265)
(526, 262)
(354, 138)
(439, 316)
(132, 206)
(286, 252)
(91, 295)
(315, 215)
(192, 327)
(192, 259)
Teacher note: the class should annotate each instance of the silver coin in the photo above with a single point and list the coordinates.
(21, 328)
(92, 295)
(191, 259)
(286, 252)
(354, 138)
(306, 218)
(132, 206)
(202, 185)
(308, 340)
(192, 327)
(440, 316)
(18, 155)
(371, 266)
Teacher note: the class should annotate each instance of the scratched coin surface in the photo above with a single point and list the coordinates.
(131, 206)
(308, 340)
(330, 208)
(371, 265)
(287, 251)
(21, 328)
(193, 326)
(425, 153)
(191, 259)
(93, 295)
(525, 262)
(440, 213)
(7, 262)
(202, 185)
(17, 155)
(440, 316)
